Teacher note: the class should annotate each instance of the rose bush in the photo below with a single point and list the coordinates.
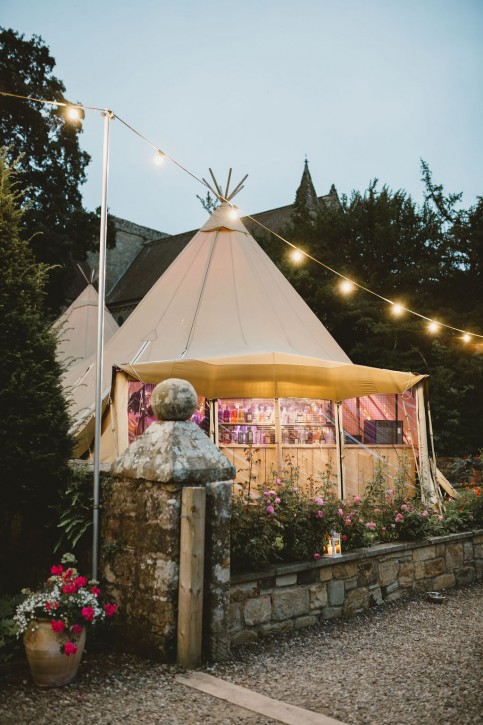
(283, 523)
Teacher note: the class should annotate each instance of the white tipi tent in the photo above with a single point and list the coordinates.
(77, 328)
(225, 318)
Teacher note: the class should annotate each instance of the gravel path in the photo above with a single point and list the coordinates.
(407, 663)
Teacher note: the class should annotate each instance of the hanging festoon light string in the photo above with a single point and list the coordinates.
(347, 286)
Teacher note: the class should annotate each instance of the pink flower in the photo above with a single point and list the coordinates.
(76, 628)
(69, 588)
(95, 591)
(87, 613)
(440, 517)
(425, 514)
(272, 493)
(56, 570)
(383, 528)
(344, 537)
(81, 581)
(319, 501)
(47, 606)
(340, 512)
(278, 482)
(110, 609)
(404, 507)
(371, 525)
(348, 521)
(319, 514)
(70, 648)
(390, 492)
(399, 517)
(316, 555)
(376, 511)
(270, 510)
(266, 493)
(57, 625)
(278, 500)
(357, 499)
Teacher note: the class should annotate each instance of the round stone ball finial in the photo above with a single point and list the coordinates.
(174, 399)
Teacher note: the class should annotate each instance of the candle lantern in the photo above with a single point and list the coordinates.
(333, 545)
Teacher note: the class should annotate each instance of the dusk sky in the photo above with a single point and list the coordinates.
(363, 88)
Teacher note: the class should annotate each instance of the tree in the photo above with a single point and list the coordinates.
(34, 421)
(428, 257)
(53, 166)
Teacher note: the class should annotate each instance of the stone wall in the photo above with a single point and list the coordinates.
(292, 596)
(140, 562)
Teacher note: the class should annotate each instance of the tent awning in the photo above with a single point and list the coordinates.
(275, 375)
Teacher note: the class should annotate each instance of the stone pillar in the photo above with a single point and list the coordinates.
(140, 550)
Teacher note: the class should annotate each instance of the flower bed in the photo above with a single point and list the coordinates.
(283, 523)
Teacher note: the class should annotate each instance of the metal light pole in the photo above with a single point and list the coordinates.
(108, 116)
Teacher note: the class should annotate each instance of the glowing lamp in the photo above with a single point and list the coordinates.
(433, 327)
(466, 337)
(159, 158)
(397, 309)
(333, 546)
(297, 255)
(346, 287)
(234, 213)
(73, 113)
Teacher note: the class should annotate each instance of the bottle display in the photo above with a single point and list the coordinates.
(252, 421)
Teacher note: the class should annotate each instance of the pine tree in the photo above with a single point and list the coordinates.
(34, 419)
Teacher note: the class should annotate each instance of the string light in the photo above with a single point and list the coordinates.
(346, 286)
(397, 309)
(73, 113)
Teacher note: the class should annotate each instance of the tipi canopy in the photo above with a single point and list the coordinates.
(77, 328)
(225, 318)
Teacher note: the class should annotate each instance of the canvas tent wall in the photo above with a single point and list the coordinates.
(77, 328)
(223, 317)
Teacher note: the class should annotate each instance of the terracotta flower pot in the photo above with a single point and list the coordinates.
(49, 666)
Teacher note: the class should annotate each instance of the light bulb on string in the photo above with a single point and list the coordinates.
(234, 212)
(397, 309)
(433, 327)
(297, 255)
(346, 287)
(466, 337)
(73, 114)
(159, 158)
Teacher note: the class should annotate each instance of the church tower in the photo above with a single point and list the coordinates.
(306, 202)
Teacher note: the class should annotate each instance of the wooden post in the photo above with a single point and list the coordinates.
(191, 575)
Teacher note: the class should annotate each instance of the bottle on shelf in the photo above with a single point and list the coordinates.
(226, 414)
(249, 436)
(234, 414)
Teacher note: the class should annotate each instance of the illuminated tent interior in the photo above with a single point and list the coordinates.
(225, 318)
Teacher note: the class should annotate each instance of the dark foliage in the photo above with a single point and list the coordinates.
(53, 166)
(429, 258)
(34, 422)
